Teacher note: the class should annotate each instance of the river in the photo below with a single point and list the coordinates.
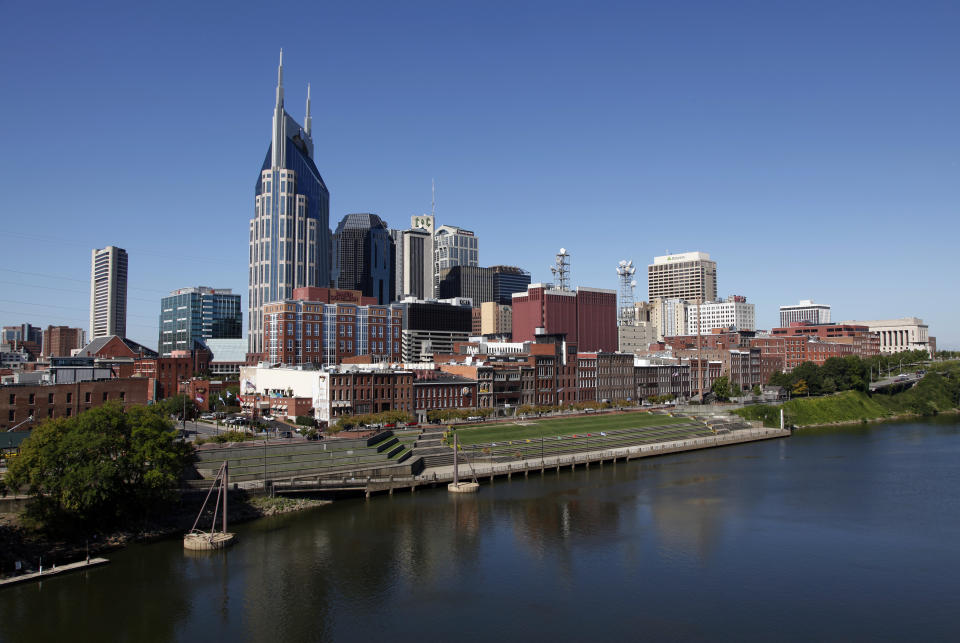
(833, 534)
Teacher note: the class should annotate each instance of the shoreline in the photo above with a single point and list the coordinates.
(885, 418)
(21, 543)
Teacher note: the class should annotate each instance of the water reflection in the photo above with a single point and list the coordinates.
(577, 555)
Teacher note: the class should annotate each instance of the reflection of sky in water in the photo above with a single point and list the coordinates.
(854, 529)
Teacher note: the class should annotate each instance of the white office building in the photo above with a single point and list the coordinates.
(690, 276)
(453, 246)
(733, 312)
(805, 311)
(108, 292)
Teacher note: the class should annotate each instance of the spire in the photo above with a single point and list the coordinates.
(280, 81)
(307, 124)
(433, 198)
(279, 141)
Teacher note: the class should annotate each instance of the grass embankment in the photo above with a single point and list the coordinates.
(538, 428)
(935, 393)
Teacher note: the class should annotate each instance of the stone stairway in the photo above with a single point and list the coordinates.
(429, 446)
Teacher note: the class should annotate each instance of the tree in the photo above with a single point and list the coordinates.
(800, 388)
(99, 468)
(175, 405)
(756, 390)
(721, 388)
(735, 390)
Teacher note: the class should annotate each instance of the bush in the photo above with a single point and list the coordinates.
(305, 420)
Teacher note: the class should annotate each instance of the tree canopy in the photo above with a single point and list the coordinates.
(99, 468)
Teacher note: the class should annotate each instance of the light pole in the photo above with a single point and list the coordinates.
(14, 427)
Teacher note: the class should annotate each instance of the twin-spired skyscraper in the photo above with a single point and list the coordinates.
(290, 229)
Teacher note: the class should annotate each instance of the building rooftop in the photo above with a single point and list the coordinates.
(227, 350)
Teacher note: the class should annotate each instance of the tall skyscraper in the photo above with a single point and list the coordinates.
(689, 276)
(108, 292)
(363, 256)
(413, 262)
(196, 314)
(453, 246)
(290, 231)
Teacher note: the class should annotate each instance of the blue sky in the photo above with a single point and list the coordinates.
(813, 148)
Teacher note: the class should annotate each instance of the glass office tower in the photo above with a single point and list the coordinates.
(290, 230)
(198, 314)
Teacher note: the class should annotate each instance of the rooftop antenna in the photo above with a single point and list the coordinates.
(561, 270)
(626, 270)
(433, 198)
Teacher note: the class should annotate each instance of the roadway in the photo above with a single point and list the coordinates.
(896, 380)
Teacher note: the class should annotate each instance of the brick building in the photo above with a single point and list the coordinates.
(864, 343)
(588, 317)
(606, 377)
(324, 325)
(43, 401)
(440, 390)
(61, 341)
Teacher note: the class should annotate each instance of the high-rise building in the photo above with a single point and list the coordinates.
(363, 256)
(432, 328)
(413, 259)
(22, 333)
(453, 246)
(108, 292)
(733, 312)
(669, 317)
(290, 241)
(587, 316)
(196, 314)
(508, 280)
(805, 311)
(466, 281)
(690, 276)
(59, 341)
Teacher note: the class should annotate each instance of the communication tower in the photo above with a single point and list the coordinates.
(626, 271)
(561, 270)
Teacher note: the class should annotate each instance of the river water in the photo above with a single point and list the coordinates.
(840, 534)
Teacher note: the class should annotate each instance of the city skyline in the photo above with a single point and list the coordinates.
(793, 184)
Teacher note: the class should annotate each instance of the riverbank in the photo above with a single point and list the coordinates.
(936, 393)
(21, 543)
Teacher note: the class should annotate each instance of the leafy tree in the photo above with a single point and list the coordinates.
(801, 387)
(99, 468)
(721, 388)
(756, 390)
(175, 405)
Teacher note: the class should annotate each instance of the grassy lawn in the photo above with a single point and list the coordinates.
(550, 427)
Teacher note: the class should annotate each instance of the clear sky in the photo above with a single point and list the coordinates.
(812, 148)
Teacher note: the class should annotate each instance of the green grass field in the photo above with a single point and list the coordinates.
(550, 427)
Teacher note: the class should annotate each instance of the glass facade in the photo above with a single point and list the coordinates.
(198, 314)
(290, 230)
(363, 257)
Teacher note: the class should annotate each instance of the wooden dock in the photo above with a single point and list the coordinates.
(53, 571)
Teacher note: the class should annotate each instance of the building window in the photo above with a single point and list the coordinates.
(86, 397)
(123, 395)
(13, 398)
(31, 398)
(50, 398)
(69, 411)
(69, 398)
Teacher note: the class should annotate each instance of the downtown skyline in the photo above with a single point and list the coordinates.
(831, 176)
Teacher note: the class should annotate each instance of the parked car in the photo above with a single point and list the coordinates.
(286, 434)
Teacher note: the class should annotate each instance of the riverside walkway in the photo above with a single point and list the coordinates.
(440, 475)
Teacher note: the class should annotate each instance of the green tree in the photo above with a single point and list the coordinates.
(721, 388)
(100, 468)
(175, 405)
(756, 390)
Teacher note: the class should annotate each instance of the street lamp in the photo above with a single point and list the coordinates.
(14, 427)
